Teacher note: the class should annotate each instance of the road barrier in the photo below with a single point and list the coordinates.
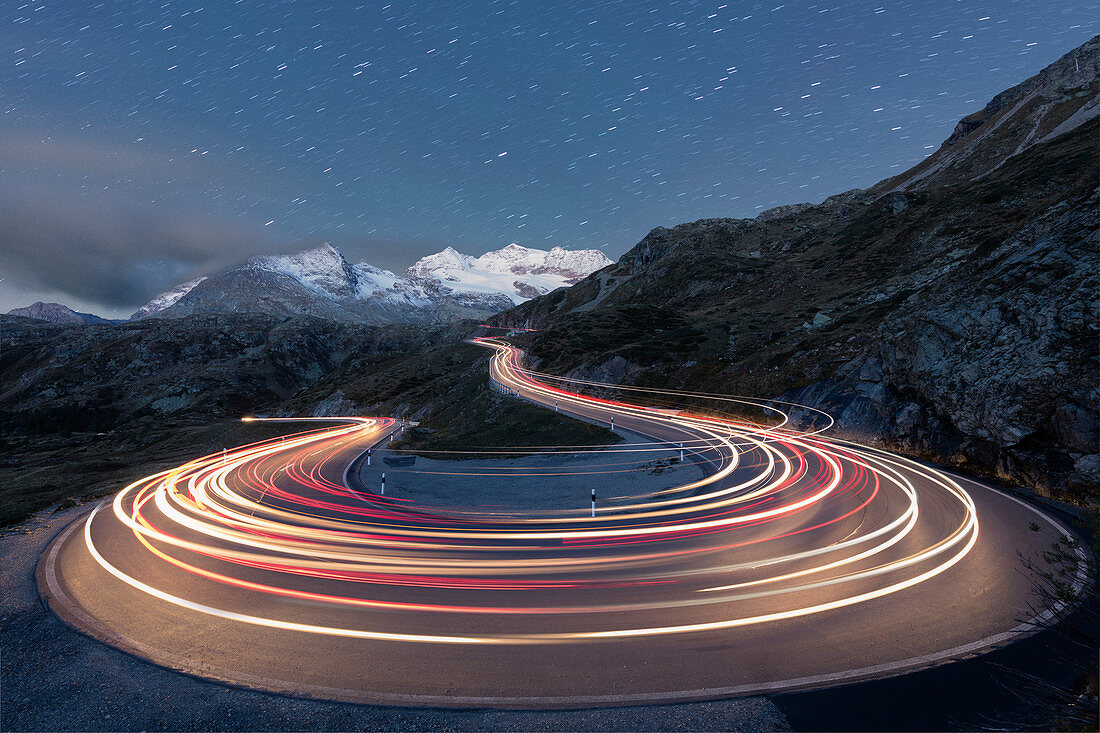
(500, 388)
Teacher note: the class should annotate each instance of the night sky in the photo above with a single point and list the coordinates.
(142, 143)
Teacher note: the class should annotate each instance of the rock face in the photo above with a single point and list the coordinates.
(950, 312)
(442, 287)
(995, 362)
(56, 313)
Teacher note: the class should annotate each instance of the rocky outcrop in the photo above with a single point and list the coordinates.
(995, 366)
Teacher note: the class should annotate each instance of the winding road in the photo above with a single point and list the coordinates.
(797, 561)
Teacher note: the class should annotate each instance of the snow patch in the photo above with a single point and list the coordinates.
(164, 300)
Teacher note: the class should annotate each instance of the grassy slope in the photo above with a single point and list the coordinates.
(473, 416)
(77, 426)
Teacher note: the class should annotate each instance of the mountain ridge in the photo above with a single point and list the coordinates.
(320, 282)
(1061, 97)
(440, 287)
(57, 313)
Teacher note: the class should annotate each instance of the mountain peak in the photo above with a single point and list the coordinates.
(1058, 99)
(515, 271)
(55, 313)
(441, 286)
(449, 259)
(321, 269)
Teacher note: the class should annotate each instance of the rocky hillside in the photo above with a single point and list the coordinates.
(950, 312)
(64, 378)
(88, 409)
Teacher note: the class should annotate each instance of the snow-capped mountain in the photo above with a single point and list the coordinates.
(521, 273)
(320, 282)
(571, 265)
(447, 260)
(323, 270)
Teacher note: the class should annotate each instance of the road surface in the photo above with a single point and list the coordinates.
(797, 561)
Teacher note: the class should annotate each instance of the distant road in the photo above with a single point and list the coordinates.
(798, 561)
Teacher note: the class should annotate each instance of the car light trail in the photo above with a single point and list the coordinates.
(785, 524)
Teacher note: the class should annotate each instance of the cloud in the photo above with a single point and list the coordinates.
(113, 224)
(107, 225)
(113, 254)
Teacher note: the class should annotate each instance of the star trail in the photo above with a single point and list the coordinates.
(395, 129)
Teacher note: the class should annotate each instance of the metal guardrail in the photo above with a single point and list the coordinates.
(500, 388)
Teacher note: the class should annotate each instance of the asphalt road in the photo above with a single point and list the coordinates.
(798, 562)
